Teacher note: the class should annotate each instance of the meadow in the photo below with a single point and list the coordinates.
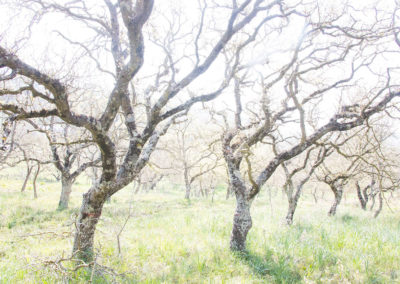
(169, 240)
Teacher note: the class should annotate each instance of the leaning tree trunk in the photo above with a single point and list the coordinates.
(28, 173)
(241, 224)
(338, 197)
(34, 182)
(90, 212)
(378, 211)
(66, 189)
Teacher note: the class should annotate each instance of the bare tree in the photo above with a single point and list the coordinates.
(293, 190)
(191, 154)
(376, 161)
(68, 159)
(278, 115)
(364, 194)
(117, 31)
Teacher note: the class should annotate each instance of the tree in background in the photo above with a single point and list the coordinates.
(294, 185)
(192, 155)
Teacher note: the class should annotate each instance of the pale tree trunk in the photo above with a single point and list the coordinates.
(228, 191)
(338, 192)
(187, 191)
(362, 197)
(293, 200)
(378, 211)
(90, 212)
(241, 224)
(28, 173)
(291, 209)
(187, 183)
(314, 194)
(373, 195)
(34, 182)
(66, 189)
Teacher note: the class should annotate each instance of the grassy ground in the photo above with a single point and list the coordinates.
(168, 240)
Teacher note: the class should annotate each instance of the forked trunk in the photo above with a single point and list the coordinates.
(362, 196)
(338, 197)
(66, 189)
(90, 212)
(241, 224)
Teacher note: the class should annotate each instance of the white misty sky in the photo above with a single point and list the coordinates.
(47, 50)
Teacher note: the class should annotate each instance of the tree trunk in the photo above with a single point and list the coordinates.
(338, 197)
(360, 196)
(66, 188)
(34, 182)
(291, 209)
(314, 194)
(373, 201)
(187, 182)
(241, 224)
(90, 212)
(228, 192)
(380, 199)
(187, 192)
(28, 173)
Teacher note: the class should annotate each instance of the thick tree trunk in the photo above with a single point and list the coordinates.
(66, 189)
(90, 212)
(28, 173)
(241, 224)
(338, 197)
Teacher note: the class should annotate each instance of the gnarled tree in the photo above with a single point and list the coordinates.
(290, 98)
(147, 88)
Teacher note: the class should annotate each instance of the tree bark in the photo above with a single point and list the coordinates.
(338, 192)
(242, 224)
(228, 191)
(187, 191)
(90, 212)
(34, 182)
(361, 198)
(28, 173)
(291, 209)
(378, 211)
(66, 189)
(373, 201)
(187, 183)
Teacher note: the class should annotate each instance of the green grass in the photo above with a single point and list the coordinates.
(170, 240)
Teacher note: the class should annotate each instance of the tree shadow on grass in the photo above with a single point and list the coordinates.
(277, 268)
